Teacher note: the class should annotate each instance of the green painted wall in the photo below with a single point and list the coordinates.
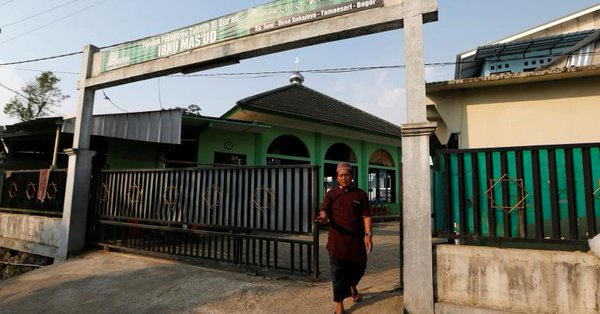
(308, 138)
(125, 154)
(362, 150)
(211, 141)
(255, 147)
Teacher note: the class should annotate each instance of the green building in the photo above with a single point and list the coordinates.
(289, 125)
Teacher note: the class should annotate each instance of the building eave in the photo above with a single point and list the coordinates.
(554, 74)
(536, 29)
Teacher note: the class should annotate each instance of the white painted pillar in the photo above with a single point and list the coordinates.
(77, 188)
(416, 210)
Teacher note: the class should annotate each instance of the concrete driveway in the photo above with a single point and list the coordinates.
(99, 282)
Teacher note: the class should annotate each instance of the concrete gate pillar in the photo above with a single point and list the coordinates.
(74, 221)
(416, 210)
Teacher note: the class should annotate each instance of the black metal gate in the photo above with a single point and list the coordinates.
(19, 192)
(260, 218)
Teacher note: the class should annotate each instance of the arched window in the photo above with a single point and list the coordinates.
(287, 150)
(382, 179)
(336, 153)
(340, 152)
(381, 157)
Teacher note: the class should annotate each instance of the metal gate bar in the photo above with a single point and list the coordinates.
(260, 252)
(255, 217)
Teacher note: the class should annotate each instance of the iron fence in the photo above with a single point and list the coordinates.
(255, 217)
(542, 197)
(21, 191)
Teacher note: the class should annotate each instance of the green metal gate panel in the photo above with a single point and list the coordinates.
(535, 194)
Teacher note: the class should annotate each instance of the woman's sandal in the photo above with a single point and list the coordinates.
(356, 296)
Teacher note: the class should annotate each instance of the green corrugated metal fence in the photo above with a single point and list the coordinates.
(536, 195)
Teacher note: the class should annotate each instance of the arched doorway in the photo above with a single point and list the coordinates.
(287, 150)
(382, 183)
(336, 153)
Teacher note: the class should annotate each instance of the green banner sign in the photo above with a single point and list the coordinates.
(263, 18)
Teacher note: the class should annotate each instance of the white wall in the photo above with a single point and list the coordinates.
(528, 281)
(32, 234)
(530, 113)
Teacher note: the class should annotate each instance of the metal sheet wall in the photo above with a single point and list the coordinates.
(153, 126)
(257, 198)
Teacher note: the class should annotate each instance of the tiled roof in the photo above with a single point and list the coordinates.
(301, 101)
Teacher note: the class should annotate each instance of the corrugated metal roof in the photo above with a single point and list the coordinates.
(571, 18)
(153, 126)
(538, 44)
(583, 56)
(301, 101)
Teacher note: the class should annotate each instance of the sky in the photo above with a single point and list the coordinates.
(32, 29)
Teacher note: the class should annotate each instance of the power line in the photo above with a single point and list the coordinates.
(12, 90)
(262, 74)
(28, 99)
(55, 21)
(54, 112)
(61, 55)
(426, 64)
(109, 100)
(159, 97)
(37, 14)
(35, 70)
(240, 75)
(43, 58)
(274, 73)
(6, 2)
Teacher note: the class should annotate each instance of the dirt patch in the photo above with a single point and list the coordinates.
(14, 263)
(98, 282)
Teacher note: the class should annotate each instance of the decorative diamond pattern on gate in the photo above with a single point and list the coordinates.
(12, 190)
(523, 194)
(270, 201)
(30, 191)
(134, 194)
(52, 191)
(216, 199)
(170, 196)
(104, 193)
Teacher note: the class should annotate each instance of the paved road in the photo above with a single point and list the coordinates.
(98, 282)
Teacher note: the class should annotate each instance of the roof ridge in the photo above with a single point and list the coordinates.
(317, 92)
(321, 94)
(263, 94)
(354, 108)
(302, 101)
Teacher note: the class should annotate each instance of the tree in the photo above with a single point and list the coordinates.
(37, 99)
(193, 110)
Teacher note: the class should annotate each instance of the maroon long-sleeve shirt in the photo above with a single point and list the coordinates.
(346, 209)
